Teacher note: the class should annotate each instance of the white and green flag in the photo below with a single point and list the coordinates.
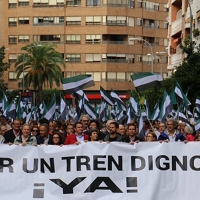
(146, 80)
(77, 82)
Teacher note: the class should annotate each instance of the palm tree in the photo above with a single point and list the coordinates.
(41, 64)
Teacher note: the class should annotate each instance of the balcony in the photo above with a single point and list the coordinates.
(176, 26)
(176, 59)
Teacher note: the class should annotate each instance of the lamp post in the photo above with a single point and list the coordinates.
(160, 60)
(191, 20)
(140, 39)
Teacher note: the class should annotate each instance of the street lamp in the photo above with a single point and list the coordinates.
(140, 39)
(160, 61)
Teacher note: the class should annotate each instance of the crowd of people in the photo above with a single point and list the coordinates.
(86, 129)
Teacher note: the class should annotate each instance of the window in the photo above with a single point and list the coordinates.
(12, 57)
(73, 39)
(48, 38)
(40, 3)
(93, 39)
(116, 20)
(73, 21)
(139, 21)
(114, 58)
(131, 21)
(165, 42)
(23, 38)
(23, 20)
(23, 3)
(121, 76)
(139, 4)
(131, 3)
(95, 75)
(166, 9)
(139, 58)
(12, 21)
(12, 4)
(93, 2)
(55, 3)
(111, 76)
(92, 57)
(46, 21)
(116, 3)
(166, 25)
(12, 75)
(73, 58)
(12, 39)
(73, 3)
(93, 20)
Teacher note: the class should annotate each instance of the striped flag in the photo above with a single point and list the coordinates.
(156, 111)
(63, 109)
(106, 97)
(77, 82)
(11, 110)
(51, 108)
(117, 99)
(146, 80)
(181, 97)
(166, 107)
(5, 102)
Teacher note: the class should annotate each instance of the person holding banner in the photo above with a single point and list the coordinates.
(11, 134)
(113, 136)
(93, 134)
(132, 134)
(78, 136)
(1, 139)
(151, 137)
(56, 139)
(26, 138)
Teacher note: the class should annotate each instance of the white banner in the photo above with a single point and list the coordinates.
(101, 171)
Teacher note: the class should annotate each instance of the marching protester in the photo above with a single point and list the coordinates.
(11, 134)
(151, 137)
(35, 130)
(77, 137)
(56, 139)
(85, 119)
(44, 137)
(132, 134)
(1, 139)
(113, 135)
(25, 138)
(189, 133)
(94, 124)
(121, 130)
(3, 129)
(93, 134)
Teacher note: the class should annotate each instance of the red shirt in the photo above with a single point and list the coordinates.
(71, 139)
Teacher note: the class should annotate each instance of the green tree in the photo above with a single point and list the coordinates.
(42, 64)
(3, 67)
(187, 73)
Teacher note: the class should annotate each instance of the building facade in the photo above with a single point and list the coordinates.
(94, 36)
(182, 20)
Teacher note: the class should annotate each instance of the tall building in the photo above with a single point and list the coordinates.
(94, 36)
(184, 16)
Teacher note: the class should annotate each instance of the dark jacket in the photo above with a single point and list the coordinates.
(118, 139)
(179, 137)
(40, 139)
(127, 139)
(10, 136)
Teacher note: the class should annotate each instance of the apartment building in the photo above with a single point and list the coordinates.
(184, 15)
(94, 36)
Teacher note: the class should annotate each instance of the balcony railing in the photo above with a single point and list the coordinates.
(115, 60)
(49, 24)
(114, 42)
